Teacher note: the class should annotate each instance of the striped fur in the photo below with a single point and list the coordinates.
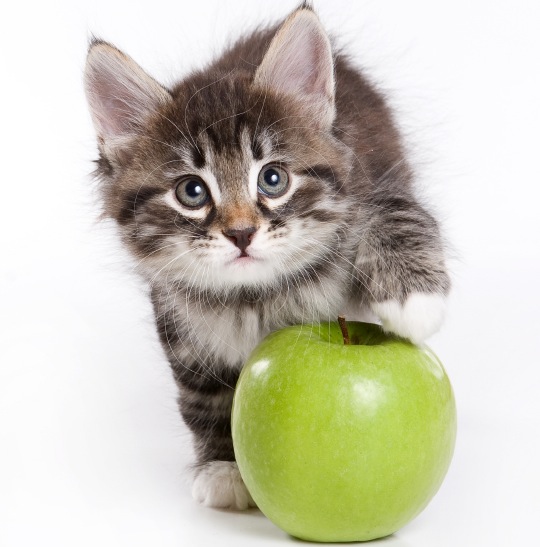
(349, 232)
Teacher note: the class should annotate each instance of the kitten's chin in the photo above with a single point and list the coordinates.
(244, 271)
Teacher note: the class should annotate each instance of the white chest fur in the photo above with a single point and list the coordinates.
(221, 333)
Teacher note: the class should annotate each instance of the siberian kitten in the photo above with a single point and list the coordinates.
(269, 188)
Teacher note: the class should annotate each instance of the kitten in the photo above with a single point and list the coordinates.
(268, 189)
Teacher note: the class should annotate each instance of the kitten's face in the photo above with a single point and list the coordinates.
(226, 187)
(233, 178)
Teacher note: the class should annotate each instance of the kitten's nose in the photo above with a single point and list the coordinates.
(241, 238)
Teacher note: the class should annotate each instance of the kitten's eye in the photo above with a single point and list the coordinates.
(192, 192)
(273, 180)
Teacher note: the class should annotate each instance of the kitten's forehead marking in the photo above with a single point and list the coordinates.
(217, 189)
(266, 143)
(229, 177)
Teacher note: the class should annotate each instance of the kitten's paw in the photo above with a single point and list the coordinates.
(219, 484)
(419, 317)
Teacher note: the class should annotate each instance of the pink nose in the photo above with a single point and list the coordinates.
(241, 238)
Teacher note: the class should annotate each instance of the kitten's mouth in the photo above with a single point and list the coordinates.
(243, 259)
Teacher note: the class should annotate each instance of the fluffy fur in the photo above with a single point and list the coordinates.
(346, 233)
(219, 484)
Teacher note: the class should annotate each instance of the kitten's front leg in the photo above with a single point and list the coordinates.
(205, 404)
(401, 263)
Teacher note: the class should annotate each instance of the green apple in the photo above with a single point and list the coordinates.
(342, 442)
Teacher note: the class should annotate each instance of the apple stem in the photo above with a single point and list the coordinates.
(344, 329)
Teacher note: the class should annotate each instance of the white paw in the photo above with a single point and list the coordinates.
(420, 316)
(219, 484)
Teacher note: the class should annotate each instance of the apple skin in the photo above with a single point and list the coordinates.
(342, 442)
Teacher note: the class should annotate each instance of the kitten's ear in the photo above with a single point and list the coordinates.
(299, 62)
(121, 95)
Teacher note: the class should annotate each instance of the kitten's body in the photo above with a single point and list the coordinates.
(347, 234)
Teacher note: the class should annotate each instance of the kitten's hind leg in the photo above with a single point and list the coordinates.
(205, 404)
(219, 484)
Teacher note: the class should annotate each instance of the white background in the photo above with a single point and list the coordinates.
(92, 449)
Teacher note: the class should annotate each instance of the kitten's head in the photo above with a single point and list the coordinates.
(232, 178)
